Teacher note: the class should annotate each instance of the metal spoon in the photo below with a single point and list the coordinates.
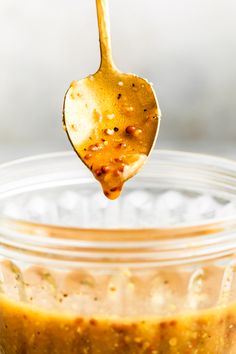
(111, 118)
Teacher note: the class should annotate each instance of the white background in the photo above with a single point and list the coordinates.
(187, 48)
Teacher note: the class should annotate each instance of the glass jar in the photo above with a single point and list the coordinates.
(153, 272)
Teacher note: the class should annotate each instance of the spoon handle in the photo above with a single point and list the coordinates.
(104, 33)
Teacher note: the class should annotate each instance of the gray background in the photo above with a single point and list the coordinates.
(187, 48)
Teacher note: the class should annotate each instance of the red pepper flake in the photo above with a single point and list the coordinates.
(105, 142)
(130, 130)
(105, 169)
(116, 129)
(119, 96)
(117, 173)
(93, 147)
(173, 323)
(122, 145)
(98, 172)
(88, 156)
(115, 189)
(93, 322)
(121, 168)
(163, 324)
(118, 159)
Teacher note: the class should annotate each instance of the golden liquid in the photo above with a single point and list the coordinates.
(25, 329)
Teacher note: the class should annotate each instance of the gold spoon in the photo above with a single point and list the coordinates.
(111, 118)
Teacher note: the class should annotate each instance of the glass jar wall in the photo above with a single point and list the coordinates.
(153, 272)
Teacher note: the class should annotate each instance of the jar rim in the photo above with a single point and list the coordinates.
(203, 224)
